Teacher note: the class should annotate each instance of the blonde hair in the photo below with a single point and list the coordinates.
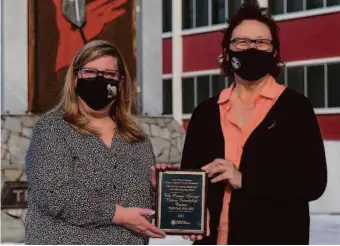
(122, 109)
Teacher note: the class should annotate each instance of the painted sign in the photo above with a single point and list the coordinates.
(56, 42)
(14, 195)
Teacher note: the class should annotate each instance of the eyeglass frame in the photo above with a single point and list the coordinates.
(254, 41)
(102, 72)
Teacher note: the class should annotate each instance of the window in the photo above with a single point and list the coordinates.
(314, 4)
(218, 11)
(233, 6)
(331, 3)
(167, 15)
(167, 96)
(218, 83)
(333, 84)
(281, 78)
(319, 82)
(291, 6)
(316, 85)
(188, 95)
(202, 13)
(276, 6)
(296, 79)
(197, 89)
(203, 85)
(187, 14)
(294, 5)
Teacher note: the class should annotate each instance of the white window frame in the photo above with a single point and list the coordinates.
(196, 74)
(322, 61)
(209, 28)
(280, 17)
(306, 12)
(305, 63)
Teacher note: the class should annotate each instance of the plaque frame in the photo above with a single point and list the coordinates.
(204, 193)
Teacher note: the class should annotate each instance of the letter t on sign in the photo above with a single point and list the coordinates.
(14, 195)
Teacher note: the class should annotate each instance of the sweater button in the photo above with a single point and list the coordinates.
(114, 186)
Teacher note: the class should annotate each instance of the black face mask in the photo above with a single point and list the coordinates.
(251, 64)
(97, 92)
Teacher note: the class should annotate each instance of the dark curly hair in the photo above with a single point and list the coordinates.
(251, 11)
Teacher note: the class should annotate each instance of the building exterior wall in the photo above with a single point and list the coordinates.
(306, 41)
(309, 46)
(151, 59)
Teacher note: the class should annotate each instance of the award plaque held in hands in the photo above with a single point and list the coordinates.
(181, 202)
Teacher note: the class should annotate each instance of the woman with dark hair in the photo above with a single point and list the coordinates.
(258, 141)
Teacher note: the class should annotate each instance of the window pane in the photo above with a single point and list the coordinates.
(167, 96)
(281, 78)
(333, 3)
(294, 5)
(295, 79)
(333, 85)
(202, 88)
(218, 11)
(217, 84)
(167, 11)
(233, 6)
(188, 95)
(202, 10)
(276, 6)
(316, 85)
(187, 14)
(313, 4)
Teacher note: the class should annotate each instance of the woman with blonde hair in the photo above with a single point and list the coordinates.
(89, 165)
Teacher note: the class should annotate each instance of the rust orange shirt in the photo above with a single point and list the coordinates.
(235, 136)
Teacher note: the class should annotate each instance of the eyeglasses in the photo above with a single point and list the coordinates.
(245, 43)
(92, 73)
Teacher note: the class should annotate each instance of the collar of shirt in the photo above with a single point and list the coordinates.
(270, 91)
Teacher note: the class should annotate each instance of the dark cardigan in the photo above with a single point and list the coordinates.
(283, 167)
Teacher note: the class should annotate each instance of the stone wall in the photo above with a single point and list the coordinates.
(166, 135)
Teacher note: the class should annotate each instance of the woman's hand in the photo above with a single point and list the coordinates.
(134, 220)
(161, 166)
(200, 237)
(224, 170)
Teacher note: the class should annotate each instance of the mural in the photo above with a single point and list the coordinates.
(57, 42)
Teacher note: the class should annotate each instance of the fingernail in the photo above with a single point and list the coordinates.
(152, 212)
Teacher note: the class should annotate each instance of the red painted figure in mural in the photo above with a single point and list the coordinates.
(98, 13)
